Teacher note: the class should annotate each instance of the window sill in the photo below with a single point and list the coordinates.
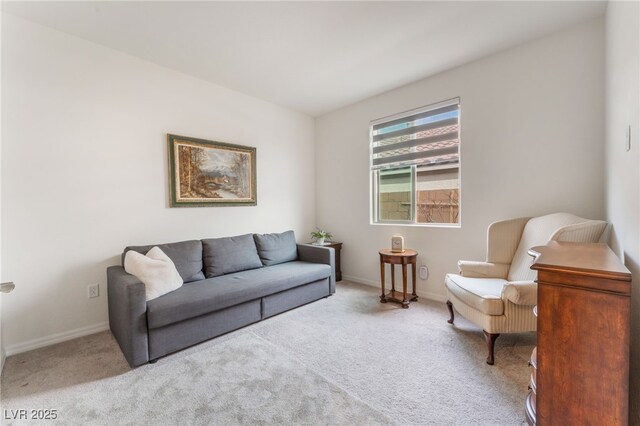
(418, 225)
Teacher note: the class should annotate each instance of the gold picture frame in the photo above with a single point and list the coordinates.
(205, 173)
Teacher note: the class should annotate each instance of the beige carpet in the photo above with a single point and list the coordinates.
(347, 359)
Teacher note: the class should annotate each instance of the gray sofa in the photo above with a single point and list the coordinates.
(228, 284)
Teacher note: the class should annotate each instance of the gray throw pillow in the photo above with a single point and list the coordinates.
(231, 254)
(276, 248)
(186, 255)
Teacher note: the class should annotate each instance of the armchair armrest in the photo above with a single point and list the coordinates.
(520, 292)
(128, 314)
(319, 254)
(471, 269)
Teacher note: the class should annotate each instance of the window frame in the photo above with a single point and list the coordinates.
(374, 175)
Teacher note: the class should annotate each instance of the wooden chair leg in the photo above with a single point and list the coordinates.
(491, 341)
(450, 306)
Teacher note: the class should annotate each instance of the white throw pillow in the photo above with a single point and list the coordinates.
(156, 271)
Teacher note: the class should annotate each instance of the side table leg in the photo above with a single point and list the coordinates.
(413, 281)
(383, 299)
(393, 277)
(405, 301)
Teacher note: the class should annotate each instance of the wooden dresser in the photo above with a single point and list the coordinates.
(580, 368)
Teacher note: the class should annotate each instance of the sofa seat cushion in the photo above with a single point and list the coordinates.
(209, 295)
(482, 294)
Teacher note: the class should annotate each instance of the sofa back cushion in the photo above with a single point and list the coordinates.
(231, 254)
(276, 248)
(185, 255)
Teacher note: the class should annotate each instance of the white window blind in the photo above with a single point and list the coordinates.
(427, 136)
(415, 166)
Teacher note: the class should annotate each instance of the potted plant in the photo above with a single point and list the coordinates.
(320, 236)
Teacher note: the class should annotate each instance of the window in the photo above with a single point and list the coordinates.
(415, 166)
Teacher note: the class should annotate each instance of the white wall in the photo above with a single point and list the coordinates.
(2, 351)
(84, 171)
(622, 167)
(532, 128)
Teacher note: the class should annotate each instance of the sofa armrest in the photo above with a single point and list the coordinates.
(473, 269)
(319, 254)
(521, 292)
(128, 314)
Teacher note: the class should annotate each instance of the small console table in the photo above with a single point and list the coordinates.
(407, 257)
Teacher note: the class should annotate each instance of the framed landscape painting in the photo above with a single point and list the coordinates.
(206, 173)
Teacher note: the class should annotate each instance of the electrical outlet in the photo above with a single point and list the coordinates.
(424, 272)
(93, 290)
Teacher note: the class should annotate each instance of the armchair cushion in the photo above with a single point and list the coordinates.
(521, 292)
(473, 269)
(482, 294)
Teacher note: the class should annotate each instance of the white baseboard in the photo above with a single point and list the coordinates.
(52, 339)
(361, 280)
(427, 295)
(433, 296)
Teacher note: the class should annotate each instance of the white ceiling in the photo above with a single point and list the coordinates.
(313, 57)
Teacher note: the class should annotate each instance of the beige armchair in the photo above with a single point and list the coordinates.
(500, 293)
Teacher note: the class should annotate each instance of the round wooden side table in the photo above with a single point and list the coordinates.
(407, 257)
